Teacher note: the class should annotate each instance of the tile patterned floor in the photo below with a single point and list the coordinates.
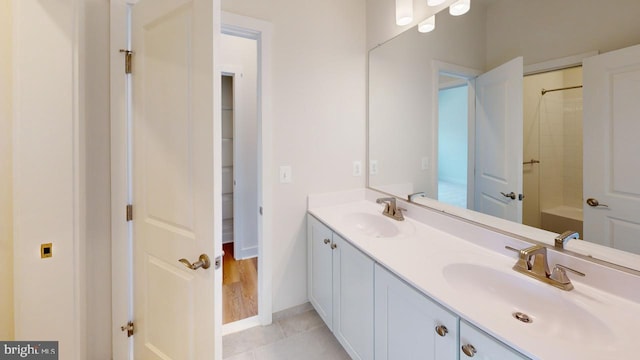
(302, 336)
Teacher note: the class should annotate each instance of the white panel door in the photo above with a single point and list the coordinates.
(612, 149)
(498, 172)
(173, 162)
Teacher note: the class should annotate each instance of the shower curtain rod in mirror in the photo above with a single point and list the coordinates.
(544, 91)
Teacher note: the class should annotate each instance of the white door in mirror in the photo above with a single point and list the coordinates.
(611, 148)
(498, 149)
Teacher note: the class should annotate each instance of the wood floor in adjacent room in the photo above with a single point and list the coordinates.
(239, 286)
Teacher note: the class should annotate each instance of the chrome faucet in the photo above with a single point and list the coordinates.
(563, 239)
(410, 197)
(390, 208)
(532, 261)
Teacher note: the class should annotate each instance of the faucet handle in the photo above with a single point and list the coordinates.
(559, 273)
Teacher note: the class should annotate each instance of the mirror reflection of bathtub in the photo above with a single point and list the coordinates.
(562, 218)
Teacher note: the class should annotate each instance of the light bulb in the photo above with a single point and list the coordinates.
(435, 2)
(427, 25)
(460, 7)
(404, 12)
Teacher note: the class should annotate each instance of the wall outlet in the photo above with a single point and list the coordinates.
(373, 167)
(285, 174)
(357, 168)
(425, 163)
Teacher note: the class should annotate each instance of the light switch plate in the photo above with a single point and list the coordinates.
(357, 168)
(425, 163)
(285, 174)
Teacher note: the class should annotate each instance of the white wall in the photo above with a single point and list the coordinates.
(61, 187)
(318, 102)
(548, 29)
(6, 173)
(46, 186)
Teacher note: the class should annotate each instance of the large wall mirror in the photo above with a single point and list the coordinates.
(528, 111)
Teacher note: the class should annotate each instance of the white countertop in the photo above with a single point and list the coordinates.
(423, 257)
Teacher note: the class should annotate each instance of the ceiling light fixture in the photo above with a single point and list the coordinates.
(435, 2)
(427, 25)
(460, 7)
(404, 12)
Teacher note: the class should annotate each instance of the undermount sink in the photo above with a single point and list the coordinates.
(375, 225)
(545, 309)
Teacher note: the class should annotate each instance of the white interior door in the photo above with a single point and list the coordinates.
(612, 149)
(498, 157)
(173, 177)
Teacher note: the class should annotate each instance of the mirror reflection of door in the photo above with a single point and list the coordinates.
(498, 146)
(612, 164)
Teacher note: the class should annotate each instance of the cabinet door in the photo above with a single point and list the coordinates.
(406, 323)
(484, 347)
(352, 299)
(320, 269)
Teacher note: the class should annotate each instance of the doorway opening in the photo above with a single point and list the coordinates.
(240, 180)
(553, 151)
(454, 132)
(453, 136)
(240, 266)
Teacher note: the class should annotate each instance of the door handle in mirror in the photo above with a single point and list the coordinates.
(203, 262)
(594, 203)
(511, 195)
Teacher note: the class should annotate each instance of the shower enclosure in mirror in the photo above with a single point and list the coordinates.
(446, 121)
(552, 139)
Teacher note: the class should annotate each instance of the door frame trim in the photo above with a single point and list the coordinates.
(121, 230)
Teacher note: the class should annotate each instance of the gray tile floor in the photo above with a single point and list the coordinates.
(299, 337)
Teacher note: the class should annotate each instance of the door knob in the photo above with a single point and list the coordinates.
(203, 262)
(594, 203)
(511, 195)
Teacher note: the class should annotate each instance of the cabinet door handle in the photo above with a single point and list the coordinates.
(469, 350)
(334, 245)
(442, 330)
(326, 241)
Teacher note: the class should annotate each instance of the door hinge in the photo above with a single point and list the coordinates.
(128, 58)
(129, 328)
(129, 212)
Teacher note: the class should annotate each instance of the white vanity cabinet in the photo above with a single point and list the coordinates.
(340, 287)
(475, 344)
(409, 325)
(364, 303)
